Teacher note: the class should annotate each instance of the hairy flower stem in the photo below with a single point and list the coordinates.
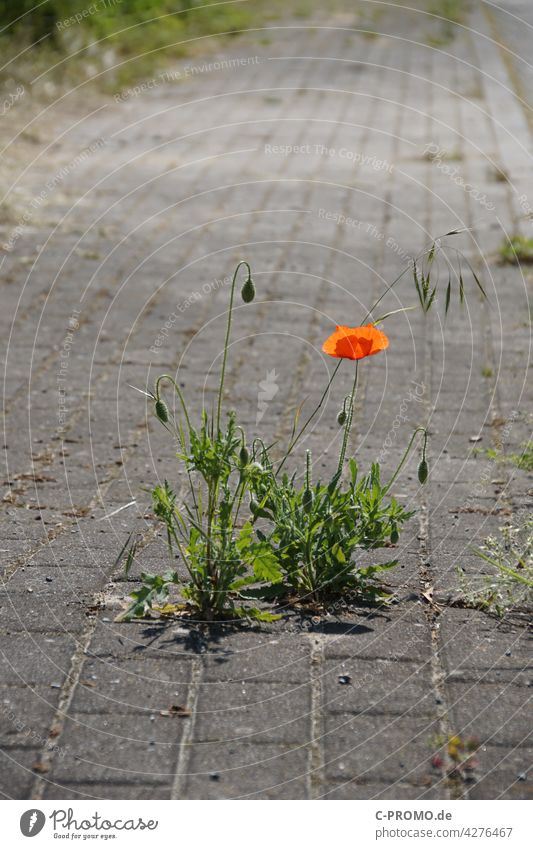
(226, 341)
(349, 419)
(406, 454)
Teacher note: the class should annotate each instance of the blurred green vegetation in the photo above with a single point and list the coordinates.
(125, 38)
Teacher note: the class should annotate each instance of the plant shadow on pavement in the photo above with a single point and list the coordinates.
(197, 638)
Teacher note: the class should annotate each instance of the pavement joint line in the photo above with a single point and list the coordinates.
(185, 746)
(65, 698)
(316, 775)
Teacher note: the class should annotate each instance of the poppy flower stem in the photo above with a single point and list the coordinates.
(348, 425)
(226, 341)
(406, 454)
(178, 393)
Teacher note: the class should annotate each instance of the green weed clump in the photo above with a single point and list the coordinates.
(517, 250)
(247, 533)
(509, 587)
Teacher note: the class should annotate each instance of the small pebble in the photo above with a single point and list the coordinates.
(48, 579)
(522, 776)
(345, 679)
(214, 776)
(55, 686)
(508, 653)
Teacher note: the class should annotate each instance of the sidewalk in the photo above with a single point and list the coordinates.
(326, 157)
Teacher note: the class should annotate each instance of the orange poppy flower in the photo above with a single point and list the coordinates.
(355, 343)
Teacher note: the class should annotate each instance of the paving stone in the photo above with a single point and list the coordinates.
(401, 633)
(253, 658)
(263, 713)
(504, 773)
(378, 748)
(118, 749)
(367, 790)
(26, 714)
(375, 686)
(16, 775)
(106, 790)
(247, 770)
(473, 643)
(497, 714)
(124, 686)
(30, 659)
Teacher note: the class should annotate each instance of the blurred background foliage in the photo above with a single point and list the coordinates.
(126, 39)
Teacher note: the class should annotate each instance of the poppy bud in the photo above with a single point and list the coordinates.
(161, 410)
(307, 500)
(394, 535)
(423, 471)
(254, 506)
(341, 418)
(248, 291)
(244, 456)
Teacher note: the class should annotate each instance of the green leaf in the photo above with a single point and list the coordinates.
(260, 615)
(265, 564)
(338, 553)
(478, 283)
(448, 296)
(511, 572)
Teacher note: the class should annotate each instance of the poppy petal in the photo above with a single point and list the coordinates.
(355, 343)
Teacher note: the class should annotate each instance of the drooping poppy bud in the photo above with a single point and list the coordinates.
(161, 410)
(394, 535)
(254, 506)
(248, 291)
(423, 471)
(244, 456)
(341, 418)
